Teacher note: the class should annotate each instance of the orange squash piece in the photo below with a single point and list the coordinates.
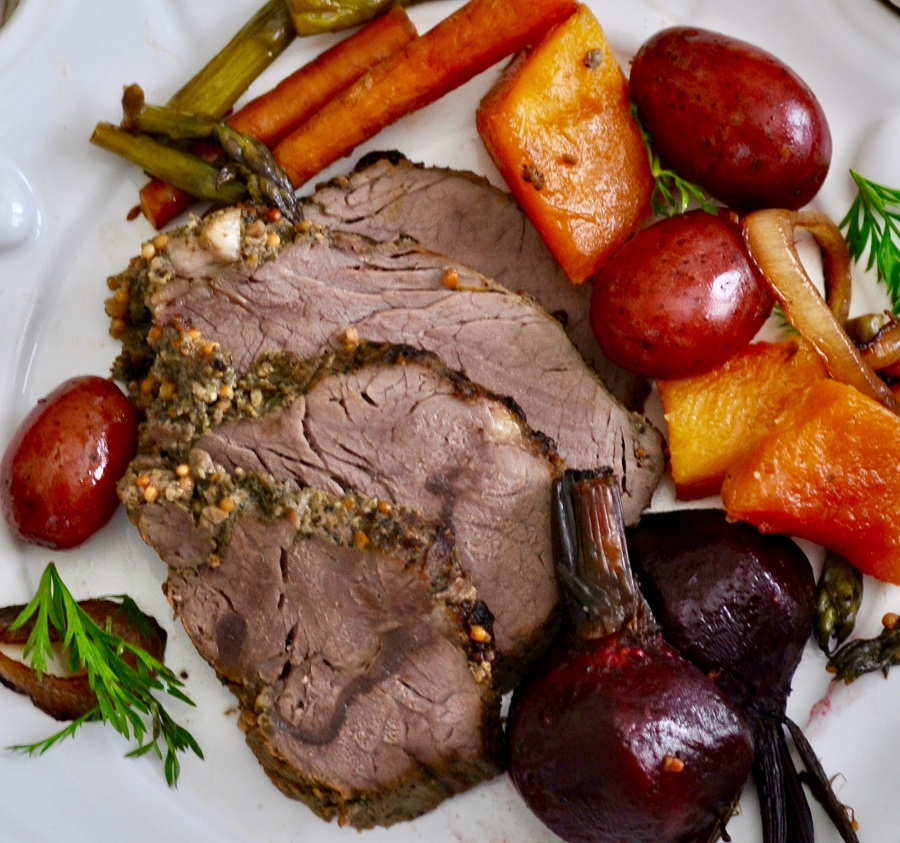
(559, 128)
(713, 419)
(827, 472)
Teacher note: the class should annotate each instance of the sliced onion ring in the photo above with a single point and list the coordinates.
(882, 351)
(69, 697)
(769, 235)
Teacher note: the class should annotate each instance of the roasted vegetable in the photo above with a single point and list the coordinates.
(222, 81)
(59, 473)
(770, 236)
(866, 655)
(714, 418)
(679, 298)
(731, 117)
(559, 127)
(172, 166)
(247, 157)
(827, 472)
(469, 41)
(616, 736)
(69, 696)
(315, 16)
(839, 595)
(740, 606)
(217, 86)
(273, 114)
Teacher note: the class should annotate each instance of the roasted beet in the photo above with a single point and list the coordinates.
(740, 605)
(728, 598)
(616, 736)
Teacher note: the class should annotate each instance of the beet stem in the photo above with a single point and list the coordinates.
(820, 785)
(800, 822)
(769, 774)
(591, 555)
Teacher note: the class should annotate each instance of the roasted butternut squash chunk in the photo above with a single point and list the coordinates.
(827, 472)
(714, 418)
(559, 128)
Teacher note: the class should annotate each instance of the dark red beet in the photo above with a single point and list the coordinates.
(728, 598)
(616, 736)
(740, 605)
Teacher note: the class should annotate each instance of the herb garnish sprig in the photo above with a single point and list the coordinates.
(873, 224)
(671, 193)
(122, 675)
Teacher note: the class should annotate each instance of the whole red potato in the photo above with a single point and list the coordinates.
(731, 117)
(679, 298)
(59, 473)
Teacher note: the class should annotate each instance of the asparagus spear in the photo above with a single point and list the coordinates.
(314, 16)
(219, 84)
(249, 159)
(183, 169)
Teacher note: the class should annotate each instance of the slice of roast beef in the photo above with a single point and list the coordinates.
(463, 215)
(346, 629)
(255, 287)
(394, 423)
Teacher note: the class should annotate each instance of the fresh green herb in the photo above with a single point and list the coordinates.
(671, 193)
(122, 675)
(872, 225)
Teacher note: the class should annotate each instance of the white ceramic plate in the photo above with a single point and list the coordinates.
(63, 230)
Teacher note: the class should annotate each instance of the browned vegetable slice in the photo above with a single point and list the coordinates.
(67, 697)
(464, 44)
(769, 235)
(558, 125)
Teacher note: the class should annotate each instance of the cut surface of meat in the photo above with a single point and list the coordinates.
(320, 288)
(460, 214)
(347, 631)
(395, 424)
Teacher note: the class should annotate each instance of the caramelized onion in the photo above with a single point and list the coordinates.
(69, 697)
(769, 235)
(882, 350)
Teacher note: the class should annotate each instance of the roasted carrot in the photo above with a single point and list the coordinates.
(272, 116)
(466, 43)
(275, 113)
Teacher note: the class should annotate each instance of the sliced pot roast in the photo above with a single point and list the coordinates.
(257, 287)
(345, 628)
(395, 423)
(460, 214)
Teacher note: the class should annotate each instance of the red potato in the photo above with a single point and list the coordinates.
(679, 298)
(731, 117)
(59, 473)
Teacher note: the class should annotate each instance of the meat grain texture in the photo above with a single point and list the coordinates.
(459, 213)
(317, 289)
(347, 631)
(345, 488)
(395, 424)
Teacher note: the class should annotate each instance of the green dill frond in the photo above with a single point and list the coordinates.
(671, 194)
(124, 677)
(872, 226)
